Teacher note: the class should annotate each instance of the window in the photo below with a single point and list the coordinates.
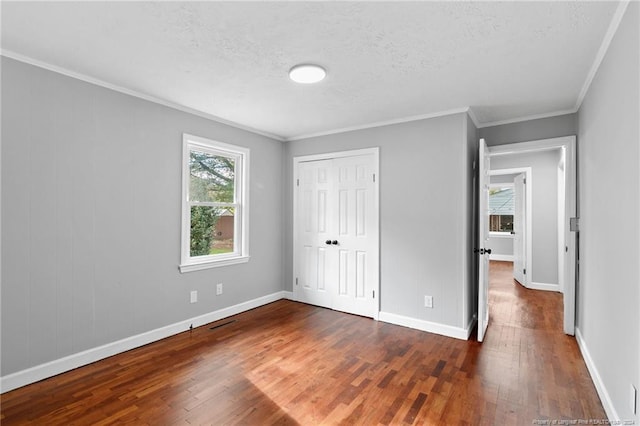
(214, 204)
(501, 207)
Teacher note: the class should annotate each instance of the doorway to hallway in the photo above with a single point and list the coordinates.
(514, 306)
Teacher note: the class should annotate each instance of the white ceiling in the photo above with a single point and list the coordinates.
(386, 61)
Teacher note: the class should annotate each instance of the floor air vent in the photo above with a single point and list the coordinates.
(222, 325)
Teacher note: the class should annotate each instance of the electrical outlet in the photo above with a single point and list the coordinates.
(428, 301)
(194, 296)
(634, 400)
(218, 289)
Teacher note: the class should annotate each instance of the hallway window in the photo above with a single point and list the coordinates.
(214, 204)
(501, 208)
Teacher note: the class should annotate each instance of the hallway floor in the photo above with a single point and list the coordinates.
(539, 368)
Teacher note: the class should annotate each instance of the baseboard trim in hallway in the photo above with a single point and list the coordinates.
(607, 404)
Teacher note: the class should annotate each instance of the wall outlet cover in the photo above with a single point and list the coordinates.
(194, 296)
(428, 301)
(218, 289)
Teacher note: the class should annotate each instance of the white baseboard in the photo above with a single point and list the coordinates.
(544, 286)
(597, 380)
(287, 295)
(52, 368)
(472, 323)
(501, 257)
(431, 327)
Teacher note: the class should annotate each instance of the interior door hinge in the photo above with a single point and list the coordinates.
(524, 181)
(297, 182)
(296, 280)
(374, 177)
(524, 272)
(574, 224)
(374, 294)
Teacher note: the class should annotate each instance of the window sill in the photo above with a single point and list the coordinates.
(190, 267)
(500, 234)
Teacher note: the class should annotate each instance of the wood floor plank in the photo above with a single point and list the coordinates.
(288, 363)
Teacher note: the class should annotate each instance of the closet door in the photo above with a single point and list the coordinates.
(315, 204)
(354, 227)
(336, 248)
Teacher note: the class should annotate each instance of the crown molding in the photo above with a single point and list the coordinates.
(473, 117)
(60, 70)
(380, 124)
(528, 118)
(604, 47)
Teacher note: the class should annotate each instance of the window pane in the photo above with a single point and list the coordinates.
(501, 201)
(212, 230)
(506, 223)
(212, 177)
(501, 223)
(223, 233)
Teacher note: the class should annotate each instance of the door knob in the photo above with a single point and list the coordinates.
(328, 242)
(482, 251)
(334, 242)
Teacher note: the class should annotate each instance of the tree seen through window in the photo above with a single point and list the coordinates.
(212, 190)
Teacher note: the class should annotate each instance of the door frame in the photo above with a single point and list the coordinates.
(568, 278)
(528, 212)
(375, 151)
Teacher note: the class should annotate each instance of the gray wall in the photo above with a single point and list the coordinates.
(544, 188)
(503, 178)
(524, 131)
(608, 155)
(91, 187)
(423, 212)
(502, 245)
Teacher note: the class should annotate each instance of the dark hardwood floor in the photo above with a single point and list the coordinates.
(290, 363)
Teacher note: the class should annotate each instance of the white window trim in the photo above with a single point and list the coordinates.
(241, 234)
(500, 234)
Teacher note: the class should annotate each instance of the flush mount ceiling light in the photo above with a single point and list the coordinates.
(307, 73)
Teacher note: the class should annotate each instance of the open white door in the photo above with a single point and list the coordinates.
(519, 249)
(483, 237)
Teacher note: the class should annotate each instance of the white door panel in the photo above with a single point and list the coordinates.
(483, 239)
(337, 234)
(354, 186)
(313, 211)
(519, 247)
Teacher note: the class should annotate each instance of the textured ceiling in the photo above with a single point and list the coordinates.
(385, 60)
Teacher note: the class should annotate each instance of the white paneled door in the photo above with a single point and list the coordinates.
(483, 238)
(336, 249)
(519, 246)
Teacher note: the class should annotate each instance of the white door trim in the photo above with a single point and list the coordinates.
(568, 144)
(376, 213)
(528, 172)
